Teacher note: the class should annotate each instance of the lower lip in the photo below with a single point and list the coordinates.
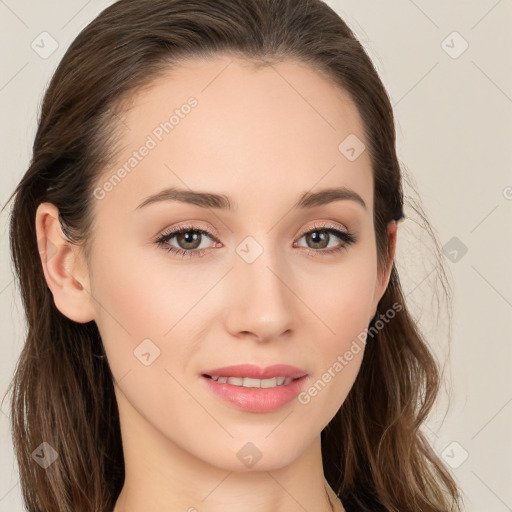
(256, 399)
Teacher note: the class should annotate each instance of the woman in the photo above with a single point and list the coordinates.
(205, 245)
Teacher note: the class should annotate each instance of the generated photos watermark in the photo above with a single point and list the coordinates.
(156, 136)
(344, 359)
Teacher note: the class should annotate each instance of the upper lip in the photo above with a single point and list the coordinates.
(257, 372)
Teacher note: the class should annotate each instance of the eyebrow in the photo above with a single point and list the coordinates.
(223, 202)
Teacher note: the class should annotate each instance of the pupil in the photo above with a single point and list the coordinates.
(188, 237)
(318, 237)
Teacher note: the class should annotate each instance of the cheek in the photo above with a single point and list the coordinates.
(131, 291)
(342, 305)
(127, 308)
(144, 339)
(342, 297)
(343, 315)
(140, 297)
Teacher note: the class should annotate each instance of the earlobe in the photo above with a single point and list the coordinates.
(383, 279)
(63, 266)
(392, 236)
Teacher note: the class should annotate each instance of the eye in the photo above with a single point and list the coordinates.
(320, 237)
(189, 239)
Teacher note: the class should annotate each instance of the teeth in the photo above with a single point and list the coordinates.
(248, 382)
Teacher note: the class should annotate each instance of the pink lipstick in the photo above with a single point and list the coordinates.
(253, 388)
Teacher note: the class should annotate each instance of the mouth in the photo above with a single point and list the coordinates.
(255, 389)
(248, 382)
(254, 372)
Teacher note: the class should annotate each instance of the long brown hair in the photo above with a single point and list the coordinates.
(374, 453)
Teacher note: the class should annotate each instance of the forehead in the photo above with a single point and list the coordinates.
(223, 124)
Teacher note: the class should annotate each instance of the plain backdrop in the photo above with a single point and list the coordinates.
(447, 68)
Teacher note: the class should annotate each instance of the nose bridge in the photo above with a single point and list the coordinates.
(261, 299)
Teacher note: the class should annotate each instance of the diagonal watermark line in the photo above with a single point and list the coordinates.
(484, 218)
(205, 409)
(285, 489)
(217, 75)
(76, 14)
(510, 400)
(424, 14)
(119, 119)
(206, 293)
(280, 423)
(426, 277)
(211, 210)
(301, 301)
(3, 3)
(498, 2)
(99, 303)
(6, 286)
(14, 76)
(303, 98)
(107, 311)
(395, 104)
(430, 430)
(17, 483)
(118, 381)
(508, 508)
(285, 214)
(502, 296)
(492, 81)
(217, 486)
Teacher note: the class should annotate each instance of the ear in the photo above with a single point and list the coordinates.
(383, 278)
(64, 267)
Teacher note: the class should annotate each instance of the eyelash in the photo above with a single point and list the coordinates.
(163, 239)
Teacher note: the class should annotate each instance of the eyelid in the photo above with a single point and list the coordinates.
(212, 232)
(190, 225)
(323, 224)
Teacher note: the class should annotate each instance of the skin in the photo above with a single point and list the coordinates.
(254, 138)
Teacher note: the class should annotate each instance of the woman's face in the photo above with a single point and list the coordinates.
(265, 282)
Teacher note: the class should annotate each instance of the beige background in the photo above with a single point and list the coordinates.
(453, 107)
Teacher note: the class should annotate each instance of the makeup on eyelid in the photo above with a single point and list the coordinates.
(347, 238)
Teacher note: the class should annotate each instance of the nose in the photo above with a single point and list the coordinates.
(262, 305)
